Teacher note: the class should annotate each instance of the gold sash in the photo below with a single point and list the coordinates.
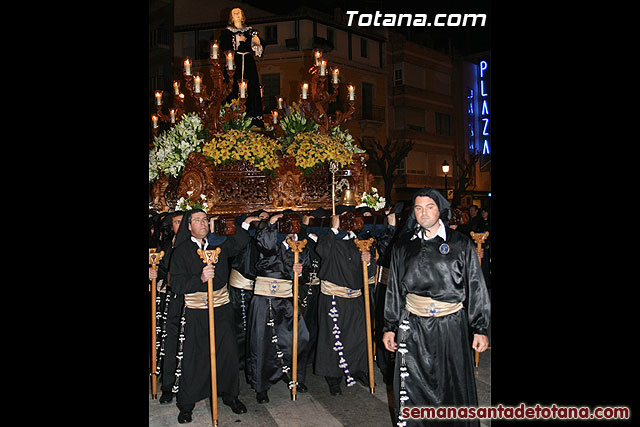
(428, 307)
(237, 280)
(328, 288)
(198, 300)
(269, 287)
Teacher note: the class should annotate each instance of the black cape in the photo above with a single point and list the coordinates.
(309, 294)
(341, 264)
(244, 262)
(270, 327)
(384, 243)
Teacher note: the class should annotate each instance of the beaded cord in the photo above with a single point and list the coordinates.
(338, 347)
(158, 322)
(274, 339)
(404, 373)
(165, 314)
(180, 352)
(243, 306)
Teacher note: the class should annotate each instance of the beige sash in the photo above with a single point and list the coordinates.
(268, 287)
(328, 288)
(237, 280)
(428, 307)
(198, 300)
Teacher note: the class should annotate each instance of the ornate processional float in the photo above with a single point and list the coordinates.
(301, 160)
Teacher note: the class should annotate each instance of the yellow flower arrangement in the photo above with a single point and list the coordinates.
(253, 147)
(311, 149)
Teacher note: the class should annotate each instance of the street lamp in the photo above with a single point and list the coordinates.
(445, 170)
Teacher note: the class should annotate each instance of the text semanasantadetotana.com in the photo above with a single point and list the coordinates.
(518, 412)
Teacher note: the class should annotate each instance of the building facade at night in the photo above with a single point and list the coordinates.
(422, 108)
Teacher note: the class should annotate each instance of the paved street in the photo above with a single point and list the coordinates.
(355, 407)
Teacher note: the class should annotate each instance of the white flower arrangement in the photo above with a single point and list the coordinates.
(373, 200)
(346, 138)
(172, 148)
(192, 203)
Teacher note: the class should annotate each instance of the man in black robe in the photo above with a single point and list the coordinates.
(342, 341)
(435, 294)
(270, 325)
(241, 283)
(189, 277)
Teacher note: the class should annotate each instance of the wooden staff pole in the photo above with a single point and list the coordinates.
(375, 289)
(333, 168)
(365, 245)
(479, 239)
(211, 257)
(154, 260)
(296, 248)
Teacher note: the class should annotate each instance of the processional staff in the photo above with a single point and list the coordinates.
(296, 248)
(375, 289)
(364, 246)
(333, 168)
(211, 257)
(154, 260)
(479, 239)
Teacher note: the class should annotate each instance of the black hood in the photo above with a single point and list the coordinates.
(184, 233)
(411, 226)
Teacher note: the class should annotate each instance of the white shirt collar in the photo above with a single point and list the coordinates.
(199, 243)
(441, 232)
(350, 234)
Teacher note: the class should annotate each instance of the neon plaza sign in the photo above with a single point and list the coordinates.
(484, 112)
(478, 106)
